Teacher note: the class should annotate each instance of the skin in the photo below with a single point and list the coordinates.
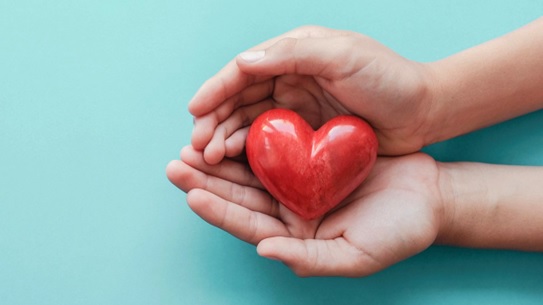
(313, 72)
(492, 206)
(321, 73)
(408, 202)
(394, 215)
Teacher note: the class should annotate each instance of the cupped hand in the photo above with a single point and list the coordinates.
(393, 215)
(319, 73)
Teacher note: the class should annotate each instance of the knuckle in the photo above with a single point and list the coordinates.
(310, 29)
(253, 229)
(238, 193)
(287, 43)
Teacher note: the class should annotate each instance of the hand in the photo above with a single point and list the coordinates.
(319, 73)
(393, 215)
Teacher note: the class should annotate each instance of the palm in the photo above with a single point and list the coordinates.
(392, 215)
(318, 99)
(305, 95)
(388, 218)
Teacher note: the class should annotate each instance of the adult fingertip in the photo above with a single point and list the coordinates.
(197, 199)
(267, 249)
(183, 175)
(176, 171)
(263, 248)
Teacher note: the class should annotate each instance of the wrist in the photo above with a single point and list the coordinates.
(486, 84)
(446, 202)
(465, 202)
(436, 104)
(422, 108)
(491, 206)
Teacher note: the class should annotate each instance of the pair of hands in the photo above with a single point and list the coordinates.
(319, 73)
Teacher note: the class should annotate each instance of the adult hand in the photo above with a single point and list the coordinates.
(393, 215)
(319, 73)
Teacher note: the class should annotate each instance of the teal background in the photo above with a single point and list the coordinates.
(93, 98)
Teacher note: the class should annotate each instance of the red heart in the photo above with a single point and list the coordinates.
(310, 172)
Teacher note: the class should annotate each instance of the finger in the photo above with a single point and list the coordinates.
(231, 80)
(237, 220)
(315, 257)
(330, 57)
(244, 116)
(187, 178)
(204, 126)
(251, 95)
(235, 144)
(180, 174)
(203, 129)
(226, 83)
(228, 170)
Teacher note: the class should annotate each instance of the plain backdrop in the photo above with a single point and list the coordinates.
(93, 98)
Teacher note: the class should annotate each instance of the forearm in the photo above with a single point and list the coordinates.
(492, 206)
(488, 84)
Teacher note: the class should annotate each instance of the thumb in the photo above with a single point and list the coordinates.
(314, 257)
(328, 57)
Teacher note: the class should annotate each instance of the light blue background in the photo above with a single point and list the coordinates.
(93, 98)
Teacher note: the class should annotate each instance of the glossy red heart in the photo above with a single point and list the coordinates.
(310, 172)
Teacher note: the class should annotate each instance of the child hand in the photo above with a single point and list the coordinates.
(395, 214)
(320, 73)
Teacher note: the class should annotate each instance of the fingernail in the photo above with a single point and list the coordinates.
(252, 56)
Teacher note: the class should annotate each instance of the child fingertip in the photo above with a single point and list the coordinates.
(252, 56)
